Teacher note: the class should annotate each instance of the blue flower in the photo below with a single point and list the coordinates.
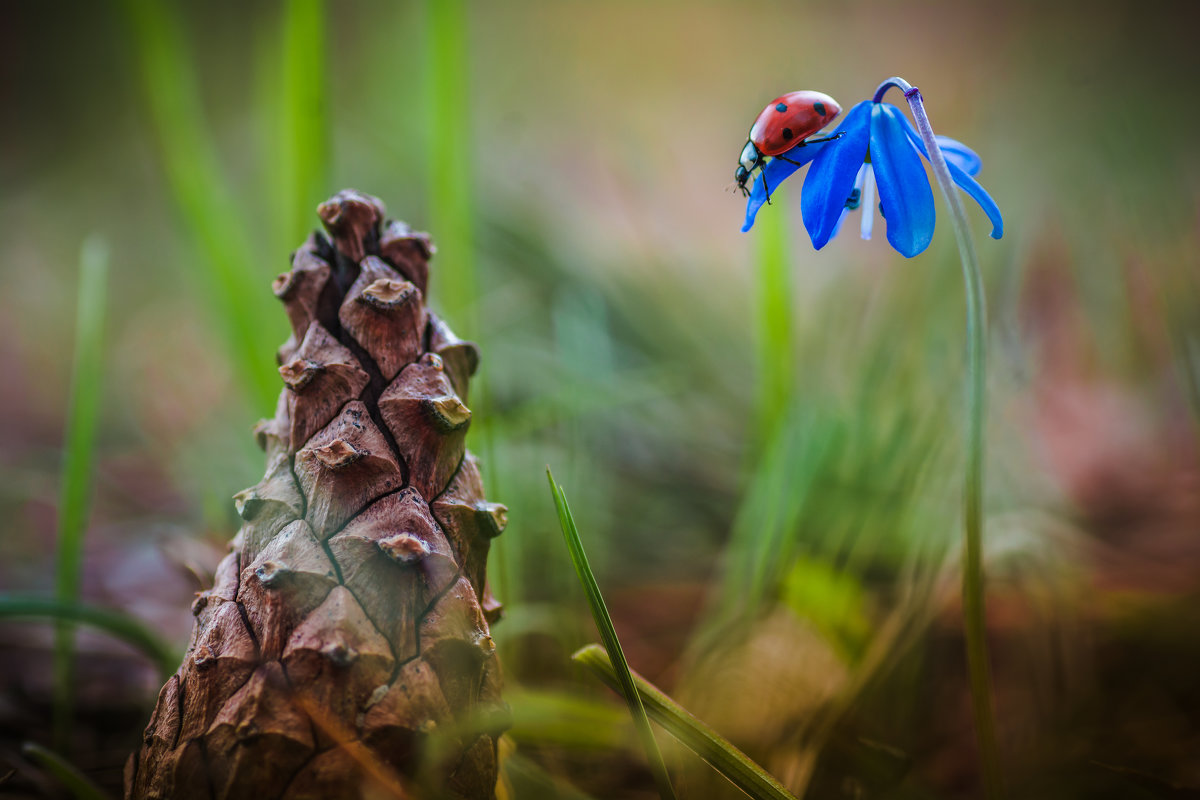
(879, 148)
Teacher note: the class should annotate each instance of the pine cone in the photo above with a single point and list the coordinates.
(345, 630)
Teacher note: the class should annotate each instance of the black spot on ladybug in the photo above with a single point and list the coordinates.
(782, 107)
(819, 108)
(787, 134)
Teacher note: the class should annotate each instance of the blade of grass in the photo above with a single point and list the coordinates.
(237, 293)
(529, 779)
(569, 720)
(702, 740)
(78, 457)
(303, 154)
(122, 626)
(608, 635)
(448, 146)
(79, 785)
(776, 356)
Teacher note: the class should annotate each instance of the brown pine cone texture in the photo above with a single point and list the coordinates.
(345, 640)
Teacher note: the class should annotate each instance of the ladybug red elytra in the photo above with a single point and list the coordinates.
(785, 124)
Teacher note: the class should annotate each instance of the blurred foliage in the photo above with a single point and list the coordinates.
(784, 567)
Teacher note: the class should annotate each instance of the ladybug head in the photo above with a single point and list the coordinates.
(747, 162)
(741, 176)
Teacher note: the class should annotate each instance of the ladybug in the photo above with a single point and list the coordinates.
(785, 124)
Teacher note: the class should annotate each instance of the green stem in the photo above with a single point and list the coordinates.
(775, 354)
(303, 145)
(449, 158)
(978, 664)
(234, 276)
(78, 457)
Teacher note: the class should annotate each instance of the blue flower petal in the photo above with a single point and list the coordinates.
(904, 191)
(775, 171)
(831, 177)
(959, 154)
(971, 187)
(963, 179)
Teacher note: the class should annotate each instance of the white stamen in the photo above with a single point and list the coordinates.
(868, 202)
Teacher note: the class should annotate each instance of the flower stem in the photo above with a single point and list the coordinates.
(978, 664)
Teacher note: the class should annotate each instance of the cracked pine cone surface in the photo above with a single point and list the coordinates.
(347, 631)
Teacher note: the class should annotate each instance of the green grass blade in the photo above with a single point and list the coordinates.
(83, 412)
(122, 626)
(542, 717)
(303, 155)
(235, 281)
(608, 635)
(527, 778)
(702, 740)
(79, 785)
(448, 151)
(775, 350)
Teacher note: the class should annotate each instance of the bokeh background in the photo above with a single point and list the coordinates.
(760, 442)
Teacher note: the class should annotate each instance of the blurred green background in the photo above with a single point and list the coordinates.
(765, 465)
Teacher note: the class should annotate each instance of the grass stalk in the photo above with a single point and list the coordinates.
(234, 280)
(79, 785)
(83, 413)
(717, 751)
(115, 623)
(304, 121)
(775, 350)
(448, 150)
(608, 634)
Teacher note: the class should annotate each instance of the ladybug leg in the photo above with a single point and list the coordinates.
(825, 139)
(766, 188)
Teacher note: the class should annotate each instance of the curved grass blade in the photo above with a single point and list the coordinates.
(119, 625)
(542, 717)
(79, 785)
(609, 635)
(83, 413)
(702, 740)
(523, 777)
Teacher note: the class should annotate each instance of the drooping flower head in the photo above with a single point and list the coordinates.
(878, 148)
